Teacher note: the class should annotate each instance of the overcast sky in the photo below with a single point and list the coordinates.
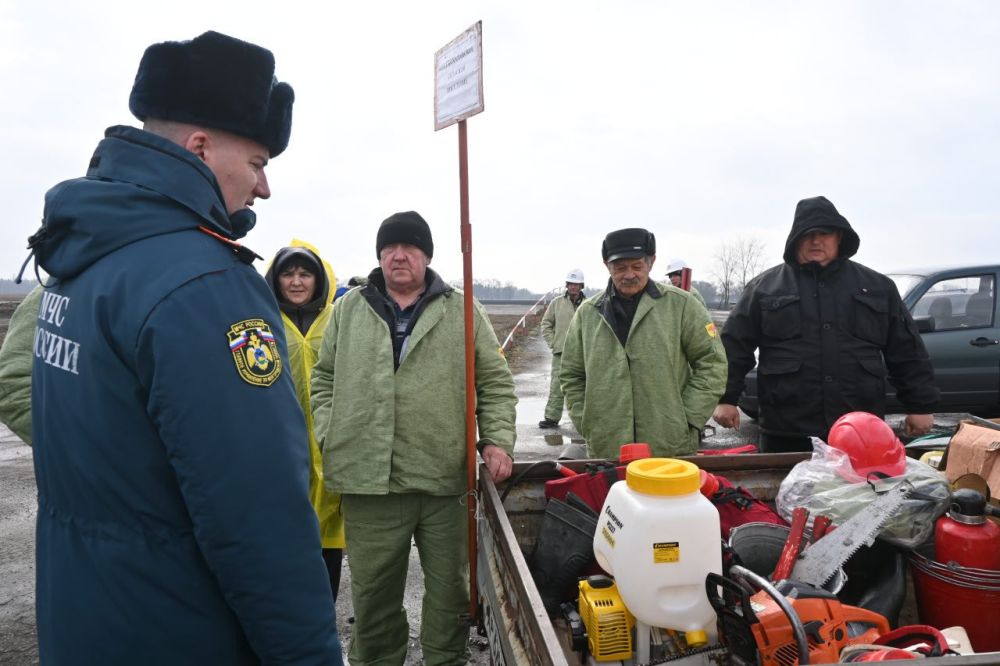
(701, 121)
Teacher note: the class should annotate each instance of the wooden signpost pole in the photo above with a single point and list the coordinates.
(458, 94)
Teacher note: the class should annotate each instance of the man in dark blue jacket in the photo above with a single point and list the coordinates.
(174, 524)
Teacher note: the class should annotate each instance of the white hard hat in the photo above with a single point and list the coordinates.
(575, 276)
(675, 265)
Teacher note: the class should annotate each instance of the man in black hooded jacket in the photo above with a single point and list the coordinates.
(830, 332)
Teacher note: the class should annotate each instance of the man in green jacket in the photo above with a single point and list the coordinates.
(388, 397)
(555, 323)
(16, 358)
(642, 360)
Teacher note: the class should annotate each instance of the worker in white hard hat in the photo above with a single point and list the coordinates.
(674, 269)
(555, 323)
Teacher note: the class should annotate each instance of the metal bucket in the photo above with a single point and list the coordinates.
(950, 594)
(759, 547)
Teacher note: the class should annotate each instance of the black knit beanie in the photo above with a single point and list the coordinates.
(406, 227)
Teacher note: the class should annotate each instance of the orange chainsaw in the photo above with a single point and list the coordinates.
(786, 623)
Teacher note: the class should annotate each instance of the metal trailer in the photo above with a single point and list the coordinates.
(515, 621)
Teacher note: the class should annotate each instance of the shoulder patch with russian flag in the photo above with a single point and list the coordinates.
(255, 352)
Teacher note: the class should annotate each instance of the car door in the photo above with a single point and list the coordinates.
(965, 343)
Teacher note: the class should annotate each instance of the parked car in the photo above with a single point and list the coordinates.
(955, 310)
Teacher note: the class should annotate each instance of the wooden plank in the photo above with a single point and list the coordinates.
(521, 602)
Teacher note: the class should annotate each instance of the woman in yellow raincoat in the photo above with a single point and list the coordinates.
(304, 285)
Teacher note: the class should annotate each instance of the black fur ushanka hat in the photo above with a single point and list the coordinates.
(215, 81)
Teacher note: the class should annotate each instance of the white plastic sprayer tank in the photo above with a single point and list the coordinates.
(659, 537)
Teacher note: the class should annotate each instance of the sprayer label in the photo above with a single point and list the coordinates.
(607, 535)
(613, 520)
(669, 551)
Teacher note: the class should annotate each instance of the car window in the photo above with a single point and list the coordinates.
(959, 302)
(905, 283)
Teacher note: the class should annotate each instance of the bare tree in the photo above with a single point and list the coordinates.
(725, 273)
(737, 262)
(749, 259)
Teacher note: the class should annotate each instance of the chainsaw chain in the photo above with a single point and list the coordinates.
(683, 655)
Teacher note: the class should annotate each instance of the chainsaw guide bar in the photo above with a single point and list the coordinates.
(820, 560)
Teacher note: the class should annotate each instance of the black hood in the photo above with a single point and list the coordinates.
(308, 258)
(819, 212)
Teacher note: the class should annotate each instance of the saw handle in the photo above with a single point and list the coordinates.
(793, 546)
(821, 526)
(733, 590)
(877, 623)
(798, 630)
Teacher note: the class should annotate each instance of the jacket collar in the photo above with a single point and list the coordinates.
(138, 186)
(434, 286)
(814, 269)
(135, 156)
(603, 302)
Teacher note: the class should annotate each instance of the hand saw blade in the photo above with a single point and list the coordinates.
(820, 560)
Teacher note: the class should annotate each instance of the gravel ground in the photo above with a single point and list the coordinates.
(17, 552)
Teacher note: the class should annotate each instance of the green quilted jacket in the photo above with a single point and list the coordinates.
(660, 388)
(404, 431)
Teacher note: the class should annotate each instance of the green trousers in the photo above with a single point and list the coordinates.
(554, 407)
(379, 529)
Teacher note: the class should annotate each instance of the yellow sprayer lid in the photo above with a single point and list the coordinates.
(663, 476)
(696, 639)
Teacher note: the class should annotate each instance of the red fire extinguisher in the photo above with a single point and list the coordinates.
(965, 536)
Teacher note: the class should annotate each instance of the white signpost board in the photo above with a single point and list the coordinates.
(458, 78)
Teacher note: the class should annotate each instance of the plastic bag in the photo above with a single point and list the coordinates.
(827, 485)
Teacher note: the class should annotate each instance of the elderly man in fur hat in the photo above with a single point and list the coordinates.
(174, 523)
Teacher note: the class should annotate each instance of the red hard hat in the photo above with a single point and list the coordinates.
(869, 442)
